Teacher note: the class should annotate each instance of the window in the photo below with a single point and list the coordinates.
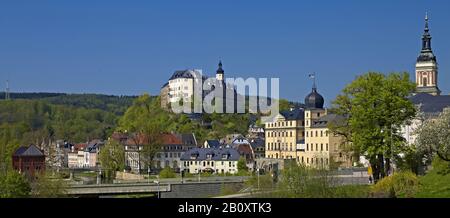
(321, 133)
(291, 133)
(302, 160)
(307, 146)
(321, 147)
(307, 134)
(317, 134)
(318, 114)
(326, 146)
(317, 147)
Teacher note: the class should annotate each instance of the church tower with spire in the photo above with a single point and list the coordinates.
(426, 66)
(220, 72)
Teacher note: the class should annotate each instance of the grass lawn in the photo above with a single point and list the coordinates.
(434, 185)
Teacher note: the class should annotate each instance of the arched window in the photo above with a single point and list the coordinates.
(424, 81)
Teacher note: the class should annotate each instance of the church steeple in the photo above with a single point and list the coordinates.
(426, 66)
(426, 37)
(220, 72)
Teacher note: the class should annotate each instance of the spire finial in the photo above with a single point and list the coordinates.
(426, 21)
(220, 70)
(313, 76)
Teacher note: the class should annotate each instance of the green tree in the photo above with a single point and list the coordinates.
(242, 165)
(112, 158)
(301, 181)
(284, 104)
(14, 185)
(48, 186)
(146, 120)
(167, 172)
(376, 106)
(433, 136)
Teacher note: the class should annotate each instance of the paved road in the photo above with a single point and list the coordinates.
(187, 180)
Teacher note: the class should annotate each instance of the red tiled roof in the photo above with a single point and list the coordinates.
(244, 149)
(140, 139)
(170, 139)
(119, 136)
(80, 146)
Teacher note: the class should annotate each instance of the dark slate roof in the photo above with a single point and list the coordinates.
(181, 74)
(257, 142)
(314, 99)
(426, 56)
(185, 74)
(213, 143)
(295, 114)
(32, 150)
(187, 138)
(20, 150)
(323, 121)
(93, 146)
(217, 154)
(430, 104)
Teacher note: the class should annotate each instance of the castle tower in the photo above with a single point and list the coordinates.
(426, 66)
(219, 72)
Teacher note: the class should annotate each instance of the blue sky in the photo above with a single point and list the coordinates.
(131, 47)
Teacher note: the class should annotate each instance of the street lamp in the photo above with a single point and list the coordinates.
(257, 170)
(157, 182)
(148, 170)
(199, 170)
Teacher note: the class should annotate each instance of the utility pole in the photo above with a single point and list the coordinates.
(7, 96)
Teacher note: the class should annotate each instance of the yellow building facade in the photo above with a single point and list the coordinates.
(302, 134)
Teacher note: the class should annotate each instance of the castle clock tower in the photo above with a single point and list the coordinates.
(426, 66)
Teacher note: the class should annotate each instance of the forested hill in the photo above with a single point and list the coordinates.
(110, 103)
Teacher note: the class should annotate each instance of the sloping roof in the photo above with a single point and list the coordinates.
(142, 139)
(257, 142)
(187, 138)
(295, 114)
(80, 146)
(244, 149)
(325, 120)
(213, 143)
(20, 150)
(181, 74)
(217, 154)
(170, 139)
(430, 103)
(187, 74)
(32, 150)
(118, 136)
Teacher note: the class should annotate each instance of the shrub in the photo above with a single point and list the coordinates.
(402, 184)
(167, 172)
(440, 166)
(14, 185)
